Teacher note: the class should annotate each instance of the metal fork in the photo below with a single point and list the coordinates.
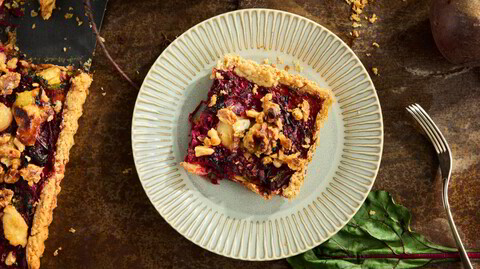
(445, 160)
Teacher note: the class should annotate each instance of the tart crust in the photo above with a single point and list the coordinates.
(48, 198)
(268, 76)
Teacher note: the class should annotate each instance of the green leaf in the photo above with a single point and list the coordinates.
(377, 237)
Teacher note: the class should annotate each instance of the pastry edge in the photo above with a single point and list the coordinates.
(73, 110)
(268, 76)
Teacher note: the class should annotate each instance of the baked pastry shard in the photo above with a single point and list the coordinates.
(259, 127)
(46, 8)
(39, 110)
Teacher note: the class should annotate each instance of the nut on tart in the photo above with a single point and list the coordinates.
(259, 127)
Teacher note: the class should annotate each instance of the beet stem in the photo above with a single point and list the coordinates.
(88, 9)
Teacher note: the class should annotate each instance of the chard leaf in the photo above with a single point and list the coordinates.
(377, 237)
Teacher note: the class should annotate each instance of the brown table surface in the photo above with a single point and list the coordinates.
(117, 227)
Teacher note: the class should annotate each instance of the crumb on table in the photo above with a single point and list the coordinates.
(375, 71)
(297, 66)
(375, 44)
(373, 19)
(72, 230)
(55, 253)
(356, 25)
(127, 171)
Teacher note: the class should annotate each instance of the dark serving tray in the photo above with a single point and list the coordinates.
(58, 40)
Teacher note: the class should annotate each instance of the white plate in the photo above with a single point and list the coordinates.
(227, 218)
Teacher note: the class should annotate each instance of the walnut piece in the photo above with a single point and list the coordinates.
(203, 151)
(285, 141)
(5, 197)
(32, 174)
(12, 176)
(18, 144)
(12, 63)
(255, 89)
(252, 113)
(291, 160)
(14, 227)
(227, 116)
(305, 110)
(8, 82)
(213, 100)
(213, 139)
(5, 138)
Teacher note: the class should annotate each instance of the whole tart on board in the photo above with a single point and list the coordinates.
(259, 127)
(39, 110)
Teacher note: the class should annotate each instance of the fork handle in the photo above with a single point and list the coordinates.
(463, 253)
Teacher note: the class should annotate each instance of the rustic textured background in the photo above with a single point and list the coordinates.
(117, 227)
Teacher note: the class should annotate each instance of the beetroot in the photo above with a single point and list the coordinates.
(456, 29)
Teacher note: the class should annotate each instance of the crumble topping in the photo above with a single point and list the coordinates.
(14, 227)
(10, 259)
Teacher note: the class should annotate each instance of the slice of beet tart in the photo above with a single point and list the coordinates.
(259, 127)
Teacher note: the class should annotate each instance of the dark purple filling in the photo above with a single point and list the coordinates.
(41, 154)
(224, 163)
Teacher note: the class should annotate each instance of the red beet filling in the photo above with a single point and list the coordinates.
(238, 92)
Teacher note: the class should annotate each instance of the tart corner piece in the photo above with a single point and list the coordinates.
(259, 127)
(39, 110)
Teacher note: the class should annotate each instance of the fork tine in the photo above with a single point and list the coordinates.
(436, 140)
(441, 138)
(418, 117)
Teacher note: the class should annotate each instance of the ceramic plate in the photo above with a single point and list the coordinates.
(227, 218)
